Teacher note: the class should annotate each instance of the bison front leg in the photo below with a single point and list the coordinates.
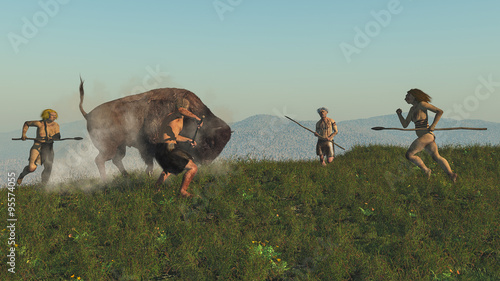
(149, 169)
(149, 166)
(148, 158)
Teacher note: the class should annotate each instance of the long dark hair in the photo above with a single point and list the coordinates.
(419, 95)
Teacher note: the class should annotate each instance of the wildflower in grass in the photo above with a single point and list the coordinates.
(366, 212)
(268, 253)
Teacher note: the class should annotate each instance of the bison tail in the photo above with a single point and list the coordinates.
(81, 99)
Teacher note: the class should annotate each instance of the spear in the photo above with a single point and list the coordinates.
(197, 127)
(426, 129)
(312, 131)
(75, 138)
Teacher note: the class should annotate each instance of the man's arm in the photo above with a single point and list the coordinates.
(171, 135)
(188, 113)
(180, 138)
(334, 129)
(26, 125)
(57, 135)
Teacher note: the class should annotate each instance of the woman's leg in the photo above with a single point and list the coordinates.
(432, 149)
(417, 146)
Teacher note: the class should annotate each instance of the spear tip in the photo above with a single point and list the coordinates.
(378, 128)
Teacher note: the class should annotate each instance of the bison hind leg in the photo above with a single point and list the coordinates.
(100, 161)
(117, 159)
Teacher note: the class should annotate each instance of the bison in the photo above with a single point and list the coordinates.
(136, 121)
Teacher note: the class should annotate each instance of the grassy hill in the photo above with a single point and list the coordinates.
(368, 216)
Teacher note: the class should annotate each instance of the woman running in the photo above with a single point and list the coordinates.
(426, 139)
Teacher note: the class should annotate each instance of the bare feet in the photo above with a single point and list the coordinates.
(428, 173)
(323, 163)
(19, 181)
(453, 177)
(186, 194)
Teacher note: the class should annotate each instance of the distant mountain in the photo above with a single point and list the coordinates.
(257, 137)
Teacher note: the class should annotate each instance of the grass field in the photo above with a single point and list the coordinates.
(368, 216)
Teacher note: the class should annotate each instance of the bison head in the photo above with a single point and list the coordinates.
(210, 139)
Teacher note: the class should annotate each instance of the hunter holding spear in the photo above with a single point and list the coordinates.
(326, 129)
(426, 138)
(42, 151)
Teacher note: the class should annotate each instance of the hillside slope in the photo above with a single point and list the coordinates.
(368, 216)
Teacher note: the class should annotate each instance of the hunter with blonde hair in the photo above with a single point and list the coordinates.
(420, 102)
(42, 151)
(46, 114)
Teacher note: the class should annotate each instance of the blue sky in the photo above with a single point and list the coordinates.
(245, 57)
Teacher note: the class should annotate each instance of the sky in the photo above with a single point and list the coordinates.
(242, 57)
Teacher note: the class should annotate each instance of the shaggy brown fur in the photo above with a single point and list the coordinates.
(137, 120)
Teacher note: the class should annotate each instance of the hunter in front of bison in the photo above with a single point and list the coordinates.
(171, 158)
(138, 121)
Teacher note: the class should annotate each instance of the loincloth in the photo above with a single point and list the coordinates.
(325, 148)
(40, 152)
(171, 159)
(421, 124)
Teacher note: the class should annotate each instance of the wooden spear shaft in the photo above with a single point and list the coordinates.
(75, 138)
(312, 131)
(426, 129)
(197, 127)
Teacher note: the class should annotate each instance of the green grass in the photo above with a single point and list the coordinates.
(368, 216)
